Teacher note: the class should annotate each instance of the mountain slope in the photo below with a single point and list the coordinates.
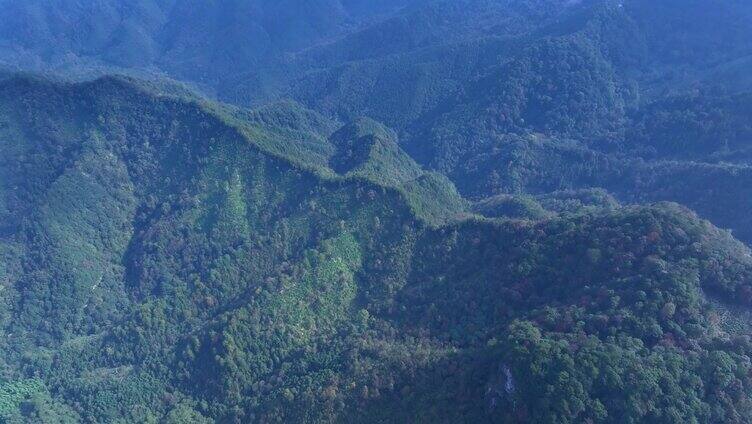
(502, 97)
(168, 259)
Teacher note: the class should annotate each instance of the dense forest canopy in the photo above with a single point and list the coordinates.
(376, 211)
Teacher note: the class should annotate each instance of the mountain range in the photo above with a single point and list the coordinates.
(359, 211)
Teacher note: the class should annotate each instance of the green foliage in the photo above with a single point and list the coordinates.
(701, 127)
(367, 149)
(576, 201)
(433, 197)
(519, 97)
(514, 207)
(173, 260)
(13, 393)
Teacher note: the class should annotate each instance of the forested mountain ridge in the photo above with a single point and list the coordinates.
(375, 211)
(173, 260)
(502, 97)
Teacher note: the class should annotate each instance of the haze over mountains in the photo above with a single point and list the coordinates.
(362, 211)
(498, 96)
